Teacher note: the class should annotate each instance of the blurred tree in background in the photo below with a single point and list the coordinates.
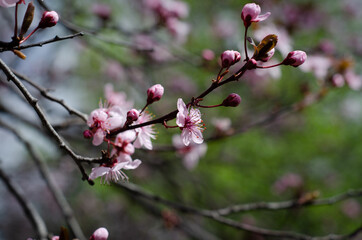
(284, 163)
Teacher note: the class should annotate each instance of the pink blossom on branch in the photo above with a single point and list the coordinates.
(295, 58)
(229, 58)
(100, 234)
(154, 93)
(145, 133)
(189, 120)
(48, 19)
(250, 13)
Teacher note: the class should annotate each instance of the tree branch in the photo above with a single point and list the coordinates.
(28, 208)
(34, 103)
(214, 214)
(45, 93)
(39, 44)
(53, 187)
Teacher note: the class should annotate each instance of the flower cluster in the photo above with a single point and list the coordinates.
(125, 128)
(117, 114)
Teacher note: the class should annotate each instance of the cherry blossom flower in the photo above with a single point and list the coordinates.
(250, 13)
(190, 154)
(100, 234)
(122, 143)
(101, 121)
(189, 120)
(109, 174)
(145, 133)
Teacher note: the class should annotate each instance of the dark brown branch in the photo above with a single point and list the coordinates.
(53, 187)
(28, 208)
(11, 47)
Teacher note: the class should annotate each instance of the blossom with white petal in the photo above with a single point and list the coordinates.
(190, 154)
(145, 133)
(189, 120)
(109, 173)
(101, 122)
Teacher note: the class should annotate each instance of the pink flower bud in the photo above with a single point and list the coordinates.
(87, 134)
(49, 19)
(268, 55)
(232, 100)
(250, 13)
(132, 115)
(99, 234)
(251, 64)
(229, 58)
(154, 93)
(295, 58)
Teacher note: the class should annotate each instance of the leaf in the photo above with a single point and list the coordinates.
(28, 19)
(267, 44)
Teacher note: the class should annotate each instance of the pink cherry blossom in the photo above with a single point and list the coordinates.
(189, 120)
(123, 143)
(145, 133)
(250, 13)
(190, 154)
(101, 121)
(109, 173)
(100, 234)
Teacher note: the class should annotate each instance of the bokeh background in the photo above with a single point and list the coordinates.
(314, 150)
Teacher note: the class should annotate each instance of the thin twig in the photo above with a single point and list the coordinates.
(40, 44)
(45, 93)
(53, 187)
(34, 103)
(28, 208)
(214, 214)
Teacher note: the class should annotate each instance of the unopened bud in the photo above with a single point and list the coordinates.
(295, 58)
(268, 55)
(87, 134)
(99, 234)
(251, 64)
(232, 100)
(154, 93)
(28, 19)
(229, 58)
(49, 19)
(250, 13)
(132, 115)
